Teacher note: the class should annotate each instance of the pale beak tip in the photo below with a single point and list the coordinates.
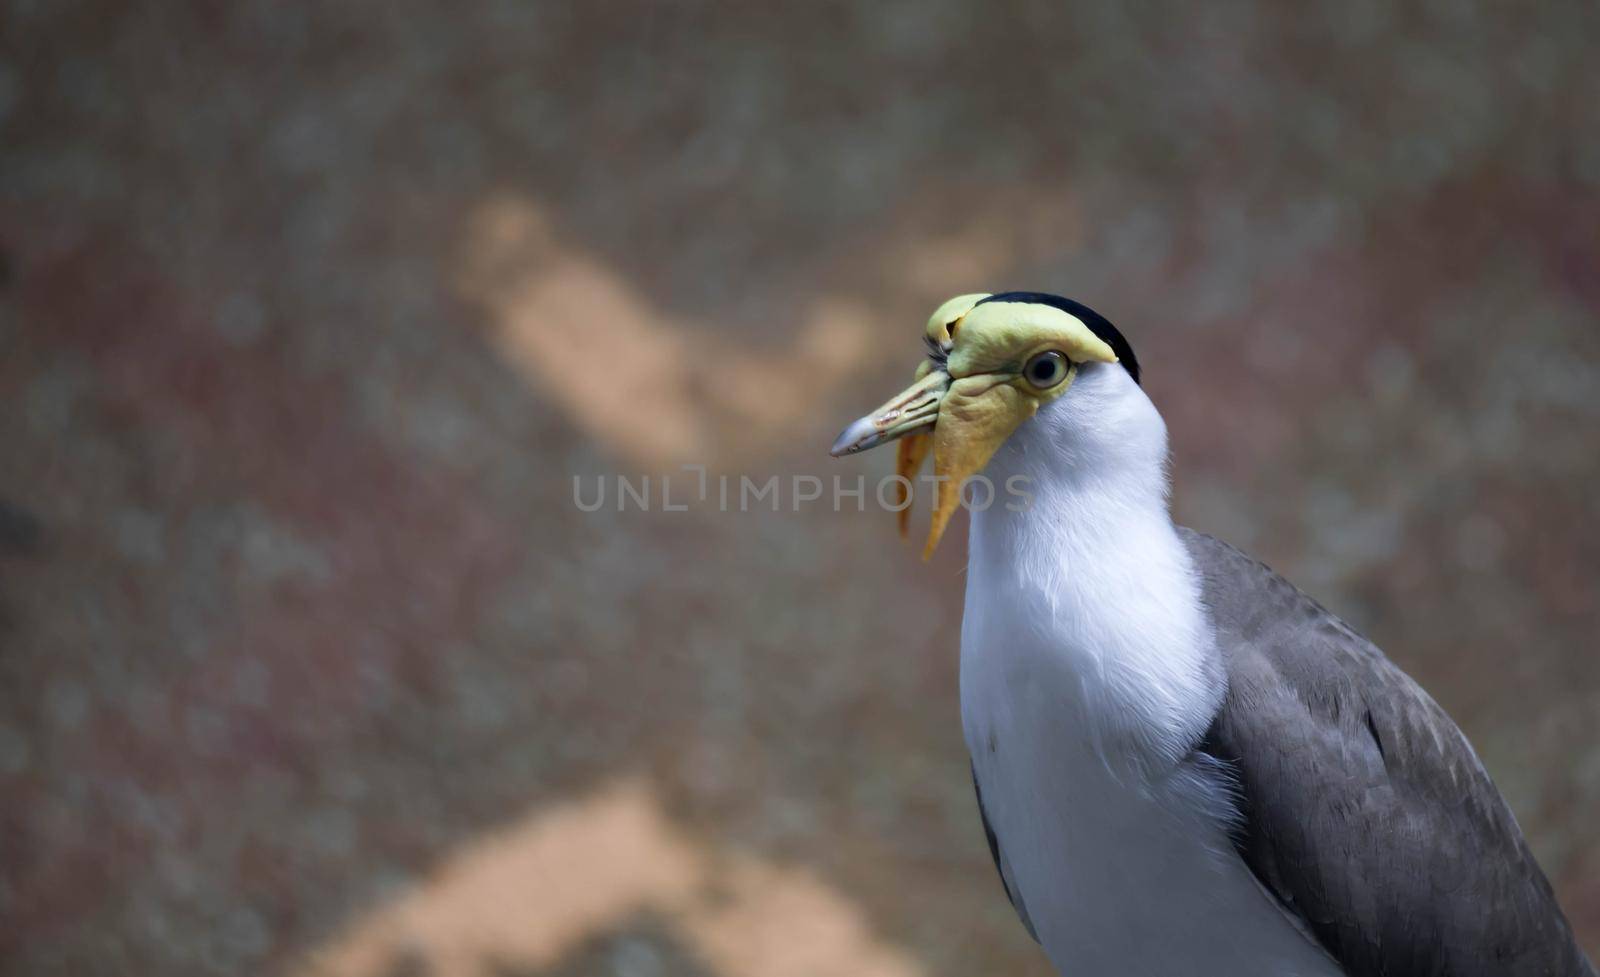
(859, 436)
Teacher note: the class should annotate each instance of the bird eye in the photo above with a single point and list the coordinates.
(1046, 370)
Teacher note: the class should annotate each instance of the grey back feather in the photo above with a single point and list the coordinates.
(1364, 810)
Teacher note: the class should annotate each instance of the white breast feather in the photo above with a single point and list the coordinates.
(1088, 673)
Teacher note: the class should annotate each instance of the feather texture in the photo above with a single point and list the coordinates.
(1364, 810)
(1185, 765)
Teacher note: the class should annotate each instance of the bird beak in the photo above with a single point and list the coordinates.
(970, 418)
(911, 409)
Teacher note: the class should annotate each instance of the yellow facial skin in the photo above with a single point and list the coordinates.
(914, 448)
(979, 398)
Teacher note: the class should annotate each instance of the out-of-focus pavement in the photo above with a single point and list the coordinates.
(309, 316)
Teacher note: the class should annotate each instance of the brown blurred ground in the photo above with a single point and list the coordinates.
(309, 663)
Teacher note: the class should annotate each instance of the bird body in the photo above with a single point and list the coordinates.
(1088, 674)
(1183, 764)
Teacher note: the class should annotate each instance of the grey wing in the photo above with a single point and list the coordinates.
(1001, 865)
(1363, 808)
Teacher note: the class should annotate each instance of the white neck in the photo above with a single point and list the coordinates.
(1095, 559)
(1088, 673)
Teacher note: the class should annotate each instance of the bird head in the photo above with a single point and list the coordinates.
(992, 362)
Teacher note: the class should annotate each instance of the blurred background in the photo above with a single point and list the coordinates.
(309, 316)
